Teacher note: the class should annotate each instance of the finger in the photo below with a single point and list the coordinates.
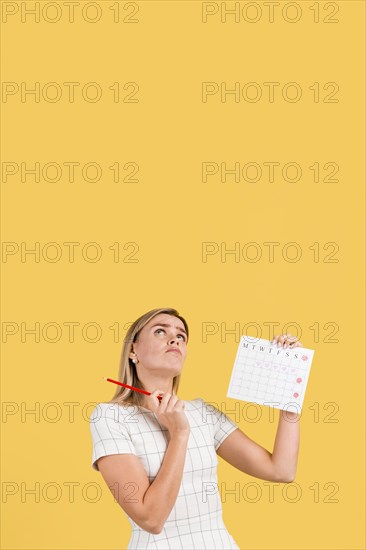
(297, 345)
(172, 402)
(154, 396)
(286, 340)
(290, 341)
(281, 340)
(158, 392)
(164, 402)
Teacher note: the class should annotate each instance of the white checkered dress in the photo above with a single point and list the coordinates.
(195, 521)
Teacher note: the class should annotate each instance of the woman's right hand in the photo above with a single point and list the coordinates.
(170, 412)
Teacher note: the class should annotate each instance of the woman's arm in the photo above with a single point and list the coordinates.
(286, 446)
(160, 497)
(287, 442)
(146, 504)
(251, 458)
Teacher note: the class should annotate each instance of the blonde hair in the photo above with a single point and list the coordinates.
(127, 373)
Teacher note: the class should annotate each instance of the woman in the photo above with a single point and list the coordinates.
(160, 458)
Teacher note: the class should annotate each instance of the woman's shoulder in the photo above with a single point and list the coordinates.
(109, 410)
(193, 404)
(196, 401)
(207, 409)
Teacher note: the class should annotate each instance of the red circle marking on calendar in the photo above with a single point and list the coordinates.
(298, 380)
(296, 394)
(304, 357)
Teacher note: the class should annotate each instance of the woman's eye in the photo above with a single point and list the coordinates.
(182, 335)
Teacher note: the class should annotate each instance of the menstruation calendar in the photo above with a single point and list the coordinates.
(268, 375)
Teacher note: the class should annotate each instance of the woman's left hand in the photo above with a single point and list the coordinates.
(287, 341)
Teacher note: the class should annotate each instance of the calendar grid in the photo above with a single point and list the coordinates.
(271, 376)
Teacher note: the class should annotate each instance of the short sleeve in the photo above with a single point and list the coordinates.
(109, 433)
(222, 424)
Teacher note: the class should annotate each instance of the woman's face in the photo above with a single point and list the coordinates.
(161, 334)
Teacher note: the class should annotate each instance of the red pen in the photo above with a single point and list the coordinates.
(130, 387)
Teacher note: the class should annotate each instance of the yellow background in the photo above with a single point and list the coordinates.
(170, 212)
